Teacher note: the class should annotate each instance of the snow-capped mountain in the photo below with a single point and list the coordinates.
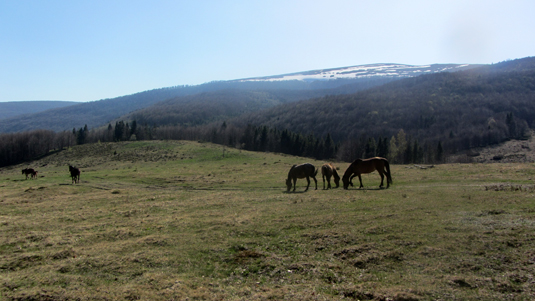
(372, 70)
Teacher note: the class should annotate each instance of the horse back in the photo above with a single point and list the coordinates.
(369, 165)
(28, 171)
(302, 171)
(327, 169)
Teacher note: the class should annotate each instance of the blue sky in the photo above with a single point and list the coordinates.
(89, 50)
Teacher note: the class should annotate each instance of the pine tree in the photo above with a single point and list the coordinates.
(440, 153)
(119, 131)
(328, 147)
(80, 136)
(133, 128)
(371, 148)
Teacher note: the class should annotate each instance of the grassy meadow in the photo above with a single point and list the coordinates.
(177, 220)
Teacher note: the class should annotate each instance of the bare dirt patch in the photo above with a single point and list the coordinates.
(513, 151)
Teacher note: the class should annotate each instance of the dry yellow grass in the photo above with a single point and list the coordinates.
(178, 221)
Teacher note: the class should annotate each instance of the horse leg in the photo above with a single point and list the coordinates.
(323, 176)
(295, 181)
(382, 179)
(315, 181)
(308, 183)
(360, 180)
(351, 179)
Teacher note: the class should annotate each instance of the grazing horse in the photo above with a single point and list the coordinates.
(328, 170)
(361, 166)
(28, 172)
(306, 170)
(75, 174)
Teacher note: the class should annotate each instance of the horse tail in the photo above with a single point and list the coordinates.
(316, 172)
(388, 174)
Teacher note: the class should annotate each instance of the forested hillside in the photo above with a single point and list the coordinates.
(203, 108)
(17, 108)
(99, 113)
(461, 110)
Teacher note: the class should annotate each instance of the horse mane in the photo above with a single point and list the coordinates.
(349, 170)
(335, 173)
(290, 172)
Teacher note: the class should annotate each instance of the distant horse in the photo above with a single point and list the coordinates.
(34, 174)
(28, 172)
(361, 166)
(328, 170)
(306, 170)
(75, 174)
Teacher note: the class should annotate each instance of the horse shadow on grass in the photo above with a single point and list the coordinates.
(292, 192)
(368, 188)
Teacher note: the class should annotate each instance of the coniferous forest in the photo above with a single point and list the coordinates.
(424, 119)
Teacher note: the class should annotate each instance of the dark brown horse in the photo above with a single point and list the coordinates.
(34, 174)
(327, 171)
(361, 166)
(28, 172)
(306, 170)
(75, 174)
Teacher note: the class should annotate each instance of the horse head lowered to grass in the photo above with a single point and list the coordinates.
(75, 174)
(306, 170)
(327, 171)
(29, 172)
(361, 166)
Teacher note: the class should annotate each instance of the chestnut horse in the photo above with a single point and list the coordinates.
(75, 174)
(29, 172)
(306, 170)
(361, 166)
(328, 170)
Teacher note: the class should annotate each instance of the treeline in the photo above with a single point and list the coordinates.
(20, 147)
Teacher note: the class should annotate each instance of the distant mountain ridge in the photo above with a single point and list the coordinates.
(340, 81)
(16, 108)
(363, 71)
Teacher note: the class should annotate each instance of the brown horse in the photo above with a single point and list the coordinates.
(328, 170)
(306, 170)
(28, 172)
(361, 166)
(75, 174)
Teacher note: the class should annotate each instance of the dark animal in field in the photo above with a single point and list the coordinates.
(361, 166)
(327, 171)
(306, 170)
(75, 174)
(28, 172)
(34, 174)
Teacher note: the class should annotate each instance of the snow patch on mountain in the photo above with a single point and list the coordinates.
(372, 70)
